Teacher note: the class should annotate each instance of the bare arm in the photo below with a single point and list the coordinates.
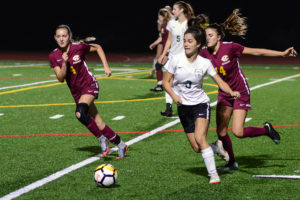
(156, 42)
(268, 52)
(166, 48)
(225, 87)
(62, 72)
(167, 83)
(101, 54)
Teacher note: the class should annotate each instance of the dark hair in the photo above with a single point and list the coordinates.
(200, 20)
(87, 39)
(187, 9)
(234, 25)
(199, 35)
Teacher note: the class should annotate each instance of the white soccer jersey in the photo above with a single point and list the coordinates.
(188, 78)
(177, 31)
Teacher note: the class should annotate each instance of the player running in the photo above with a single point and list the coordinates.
(183, 82)
(182, 12)
(225, 59)
(68, 63)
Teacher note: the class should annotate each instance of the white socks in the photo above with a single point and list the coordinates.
(209, 160)
(168, 98)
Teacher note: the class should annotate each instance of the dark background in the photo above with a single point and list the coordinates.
(130, 26)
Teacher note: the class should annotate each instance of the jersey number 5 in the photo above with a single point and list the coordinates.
(72, 69)
(222, 71)
(178, 38)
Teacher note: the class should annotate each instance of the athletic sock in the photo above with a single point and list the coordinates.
(209, 160)
(227, 144)
(94, 128)
(111, 135)
(251, 131)
(168, 98)
(159, 75)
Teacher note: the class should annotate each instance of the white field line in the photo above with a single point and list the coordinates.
(56, 116)
(49, 81)
(25, 65)
(83, 163)
(74, 167)
(277, 176)
(28, 84)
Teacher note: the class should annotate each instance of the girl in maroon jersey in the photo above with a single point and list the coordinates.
(164, 16)
(225, 58)
(68, 63)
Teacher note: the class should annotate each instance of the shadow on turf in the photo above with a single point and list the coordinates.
(95, 150)
(245, 162)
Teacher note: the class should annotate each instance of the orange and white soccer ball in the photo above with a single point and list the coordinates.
(105, 175)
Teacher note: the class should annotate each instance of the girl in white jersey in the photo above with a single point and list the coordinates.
(183, 81)
(182, 12)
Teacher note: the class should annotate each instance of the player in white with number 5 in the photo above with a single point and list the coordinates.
(182, 12)
(186, 71)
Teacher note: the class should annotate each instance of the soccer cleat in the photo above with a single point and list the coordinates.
(219, 150)
(167, 113)
(229, 166)
(214, 178)
(104, 145)
(158, 88)
(122, 151)
(274, 135)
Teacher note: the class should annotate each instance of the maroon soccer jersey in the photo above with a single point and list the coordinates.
(79, 79)
(164, 34)
(226, 63)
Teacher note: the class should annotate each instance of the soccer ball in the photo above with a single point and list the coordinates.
(105, 175)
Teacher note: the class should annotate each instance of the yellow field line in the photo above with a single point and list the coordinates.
(96, 102)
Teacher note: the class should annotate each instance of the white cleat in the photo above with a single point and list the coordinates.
(104, 145)
(214, 178)
(219, 150)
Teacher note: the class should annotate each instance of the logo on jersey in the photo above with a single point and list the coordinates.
(225, 59)
(76, 59)
(198, 73)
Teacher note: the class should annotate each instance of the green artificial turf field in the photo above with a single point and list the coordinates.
(34, 146)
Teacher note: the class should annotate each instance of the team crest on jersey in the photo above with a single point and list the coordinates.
(225, 58)
(76, 59)
(198, 73)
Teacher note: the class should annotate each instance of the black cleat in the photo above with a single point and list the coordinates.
(167, 113)
(229, 167)
(274, 135)
(158, 88)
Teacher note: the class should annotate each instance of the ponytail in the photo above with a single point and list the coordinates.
(201, 20)
(188, 10)
(234, 25)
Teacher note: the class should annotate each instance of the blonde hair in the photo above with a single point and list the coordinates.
(234, 25)
(166, 15)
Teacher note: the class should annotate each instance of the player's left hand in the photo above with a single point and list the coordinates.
(290, 52)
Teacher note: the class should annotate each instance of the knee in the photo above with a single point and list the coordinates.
(238, 133)
(82, 113)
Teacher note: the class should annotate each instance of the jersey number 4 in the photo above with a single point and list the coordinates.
(72, 69)
(221, 71)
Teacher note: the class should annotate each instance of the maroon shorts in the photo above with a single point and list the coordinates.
(243, 103)
(92, 89)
